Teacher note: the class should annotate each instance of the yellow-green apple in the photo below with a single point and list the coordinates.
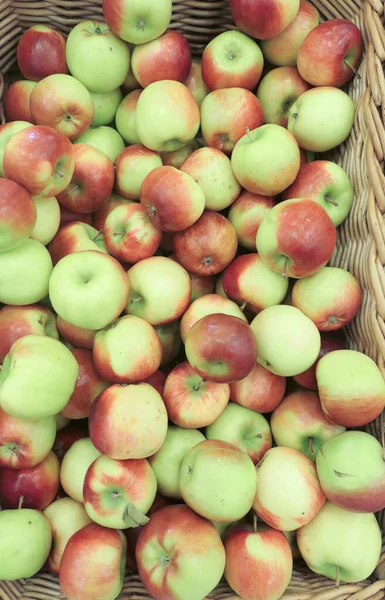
(66, 517)
(193, 402)
(167, 57)
(259, 564)
(129, 233)
(67, 216)
(282, 49)
(266, 160)
(41, 52)
(246, 215)
(93, 564)
(75, 237)
(222, 348)
(170, 340)
(160, 290)
(25, 443)
(244, 428)
(331, 298)
(132, 167)
(100, 215)
(96, 56)
(130, 84)
(173, 548)
(261, 390)
(173, 199)
(40, 159)
(88, 385)
(225, 115)
(76, 461)
(278, 91)
(351, 388)
(127, 351)
(119, 493)
(248, 281)
(166, 463)
(328, 184)
(25, 543)
(208, 246)
(195, 82)
(167, 116)
(351, 471)
(211, 169)
(103, 138)
(92, 180)
(125, 118)
(207, 492)
(296, 238)
(177, 157)
(17, 215)
(128, 421)
(201, 286)
(62, 102)
(331, 53)
(76, 336)
(6, 132)
(289, 494)
(138, 21)
(157, 380)
(321, 118)
(288, 341)
(16, 101)
(263, 20)
(330, 341)
(299, 423)
(326, 544)
(105, 106)
(47, 219)
(37, 486)
(88, 289)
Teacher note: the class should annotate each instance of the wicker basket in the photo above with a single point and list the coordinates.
(361, 244)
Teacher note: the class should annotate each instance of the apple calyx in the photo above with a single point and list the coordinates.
(165, 560)
(140, 24)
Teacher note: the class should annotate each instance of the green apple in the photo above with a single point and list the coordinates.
(103, 138)
(25, 543)
(75, 465)
(125, 118)
(47, 219)
(24, 274)
(167, 462)
(6, 132)
(341, 544)
(97, 57)
(132, 167)
(277, 92)
(138, 21)
(105, 106)
(37, 378)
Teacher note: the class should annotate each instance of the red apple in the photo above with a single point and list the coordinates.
(99, 216)
(16, 101)
(195, 83)
(170, 340)
(157, 380)
(67, 437)
(7, 130)
(17, 215)
(246, 215)
(75, 237)
(263, 20)
(41, 52)
(76, 336)
(68, 216)
(329, 342)
(261, 390)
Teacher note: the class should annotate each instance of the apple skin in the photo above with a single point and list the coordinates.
(40, 159)
(167, 57)
(191, 401)
(261, 391)
(105, 106)
(132, 167)
(47, 219)
(331, 53)
(207, 492)
(125, 118)
(75, 463)
(287, 469)
(93, 564)
(130, 83)
(299, 423)
(16, 101)
(170, 340)
(246, 215)
(351, 388)
(187, 544)
(296, 238)
(75, 237)
(201, 286)
(263, 20)
(6, 132)
(65, 438)
(259, 564)
(103, 138)
(99, 216)
(138, 21)
(277, 92)
(177, 157)
(128, 422)
(76, 336)
(225, 114)
(157, 381)
(330, 341)
(67, 216)
(195, 83)
(37, 485)
(326, 543)
(41, 52)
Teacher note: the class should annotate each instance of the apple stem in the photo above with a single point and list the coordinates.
(198, 385)
(117, 495)
(21, 500)
(243, 306)
(311, 446)
(284, 274)
(116, 234)
(356, 73)
(97, 235)
(337, 576)
(133, 300)
(255, 523)
(249, 134)
(328, 199)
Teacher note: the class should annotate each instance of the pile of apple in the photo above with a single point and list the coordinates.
(175, 388)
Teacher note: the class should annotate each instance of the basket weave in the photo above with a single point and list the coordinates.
(361, 242)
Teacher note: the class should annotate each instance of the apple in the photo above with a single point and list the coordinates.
(326, 544)
(170, 340)
(266, 160)
(25, 543)
(41, 52)
(93, 564)
(166, 58)
(99, 216)
(17, 215)
(103, 138)
(67, 216)
(328, 184)
(175, 546)
(243, 428)
(96, 56)
(132, 167)
(195, 83)
(331, 53)
(128, 421)
(177, 157)
(207, 491)
(299, 423)
(282, 49)
(351, 388)
(47, 219)
(105, 106)
(321, 118)
(263, 21)
(261, 391)
(65, 438)
(201, 286)
(167, 116)
(74, 467)
(125, 118)
(296, 238)
(157, 381)
(329, 341)
(6, 132)
(160, 290)
(246, 215)
(40, 159)
(130, 83)
(76, 336)
(16, 101)
(88, 385)
(88, 289)
(61, 422)
(278, 91)
(75, 237)
(138, 21)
